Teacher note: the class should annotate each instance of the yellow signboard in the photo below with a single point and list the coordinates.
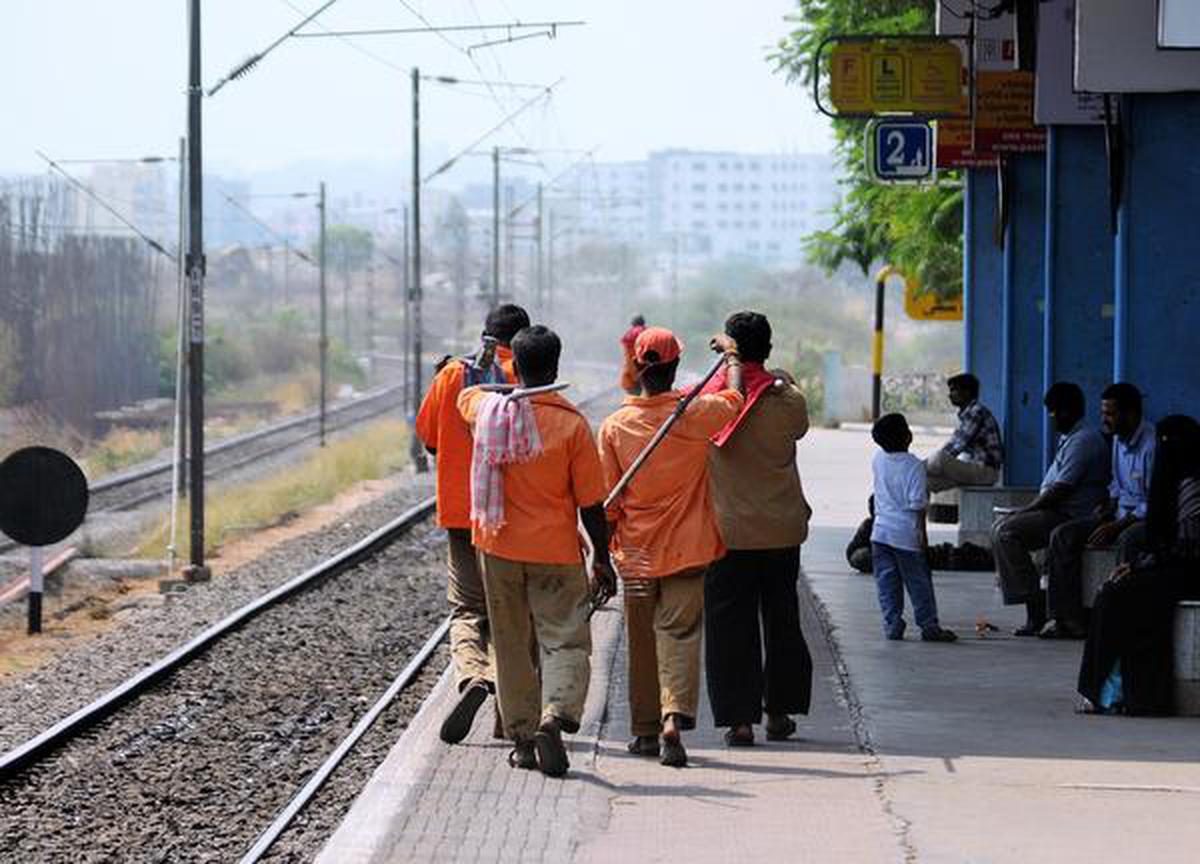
(928, 306)
(886, 75)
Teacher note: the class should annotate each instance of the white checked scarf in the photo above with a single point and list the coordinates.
(505, 433)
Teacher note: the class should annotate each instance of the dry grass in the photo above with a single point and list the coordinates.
(380, 449)
(122, 447)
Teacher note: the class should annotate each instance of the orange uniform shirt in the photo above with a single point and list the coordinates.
(441, 428)
(542, 497)
(665, 520)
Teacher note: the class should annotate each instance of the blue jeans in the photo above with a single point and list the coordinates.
(897, 570)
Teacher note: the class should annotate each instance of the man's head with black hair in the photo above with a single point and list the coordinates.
(1065, 403)
(504, 322)
(964, 389)
(658, 378)
(536, 351)
(1121, 409)
(638, 321)
(891, 433)
(752, 333)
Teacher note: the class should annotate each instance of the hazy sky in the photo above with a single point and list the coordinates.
(84, 78)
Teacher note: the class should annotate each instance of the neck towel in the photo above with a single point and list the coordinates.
(755, 380)
(505, 433)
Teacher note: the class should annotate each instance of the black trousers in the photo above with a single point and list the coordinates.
(752, 668)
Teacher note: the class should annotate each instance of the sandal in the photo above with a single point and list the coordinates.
(673, 754)
(782, 730)
(739, 736)
(644, 745)
(523, 756)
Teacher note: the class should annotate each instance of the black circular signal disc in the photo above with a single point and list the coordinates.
(43, 496)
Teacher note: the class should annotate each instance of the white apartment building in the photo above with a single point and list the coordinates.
(697, 206)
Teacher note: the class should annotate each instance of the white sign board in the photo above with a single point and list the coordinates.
(1055, 99)
(1116, 50)
(1178, 24)
(995, 38)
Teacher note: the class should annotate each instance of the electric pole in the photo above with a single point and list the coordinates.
(495, 226)
(538, 263)
(550, 261)
(418, 452)
(195, 279)
(410, 409)
(323, 338)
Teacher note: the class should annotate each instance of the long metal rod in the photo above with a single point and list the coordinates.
(195, 269)
(453, 28)
(877, 346)
(317, 780)
(495, 226)
(662, 433)
(323, 338)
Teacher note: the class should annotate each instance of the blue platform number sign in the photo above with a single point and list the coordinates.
(903, 151)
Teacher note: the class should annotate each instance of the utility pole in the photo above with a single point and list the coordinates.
(418, 452)
(323, 338)
(181, 335)
(410, 409)
(371, 307)
(550, 261)
(538, 263)
(495, 226)
(195, 263)
(510, 258)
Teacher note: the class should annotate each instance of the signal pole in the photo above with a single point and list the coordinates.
(418, 452)
(323, 338)
(194, 262)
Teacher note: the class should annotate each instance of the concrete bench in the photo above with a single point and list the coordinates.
(943, 507)
(1187, 658)
(976, 509)
(1098, 565)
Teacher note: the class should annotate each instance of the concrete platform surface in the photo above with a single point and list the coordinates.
(913, 752)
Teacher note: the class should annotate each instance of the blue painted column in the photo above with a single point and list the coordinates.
(1157, 280)
(1023, 271)
(982, 285)
(1078, 266)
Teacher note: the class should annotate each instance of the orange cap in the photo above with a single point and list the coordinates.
(656, 345)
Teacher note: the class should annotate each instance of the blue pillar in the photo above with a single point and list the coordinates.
(1022, 412)
(982, 285)
(1157, 280)
(1078, 269)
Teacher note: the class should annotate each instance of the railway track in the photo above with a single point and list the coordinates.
(226, 727)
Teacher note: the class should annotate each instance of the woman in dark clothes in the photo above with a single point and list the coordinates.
(1129, 655)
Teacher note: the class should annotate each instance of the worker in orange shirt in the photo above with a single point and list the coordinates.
(664, 536)
(629, 377)
(535, 475)
(444, 433)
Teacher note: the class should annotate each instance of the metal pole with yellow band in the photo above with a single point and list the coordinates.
(877, 342)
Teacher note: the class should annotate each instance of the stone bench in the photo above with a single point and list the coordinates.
(1187, 658)
(977, 509)
(1098, 565)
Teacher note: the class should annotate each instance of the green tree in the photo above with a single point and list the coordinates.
(917, 229)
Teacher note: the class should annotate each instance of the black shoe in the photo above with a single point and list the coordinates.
(523, 756)
(457, 724)
(551, 753)
(673, 754)
(780, 728)
(1035, 617)
(938, 634)
(644, 745)
(1063, 629)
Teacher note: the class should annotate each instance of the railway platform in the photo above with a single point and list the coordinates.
(913, 752)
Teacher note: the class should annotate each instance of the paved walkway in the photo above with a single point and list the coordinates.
(917, 753)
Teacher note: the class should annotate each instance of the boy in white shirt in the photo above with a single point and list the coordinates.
(898, 538)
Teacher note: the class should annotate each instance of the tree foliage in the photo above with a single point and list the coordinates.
(917, 229)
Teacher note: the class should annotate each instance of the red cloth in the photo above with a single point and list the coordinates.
(630, 336)
(755, 380)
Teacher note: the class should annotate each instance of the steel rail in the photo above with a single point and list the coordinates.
(314, 784)
(27, 754)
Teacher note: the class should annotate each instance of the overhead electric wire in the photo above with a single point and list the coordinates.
(254, 59)
(445, 166)
(349, 42)
(264, 226)
(432, 28)
(112, 211)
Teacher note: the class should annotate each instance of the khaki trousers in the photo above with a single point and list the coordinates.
(470, 636)
(943, 472)
(549, 602)
(663, 621)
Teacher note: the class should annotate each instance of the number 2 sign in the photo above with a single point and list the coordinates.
(900, 151)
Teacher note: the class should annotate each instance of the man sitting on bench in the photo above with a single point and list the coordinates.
(975, 454)
(1119, 522)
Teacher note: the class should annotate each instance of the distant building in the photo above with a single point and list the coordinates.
(705, 205)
